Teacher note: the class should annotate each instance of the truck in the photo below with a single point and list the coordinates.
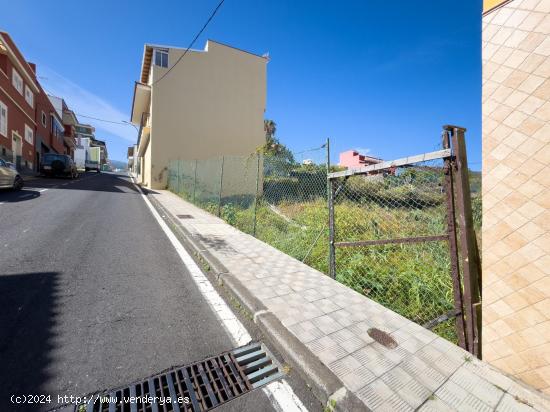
(92, 160)
(80, 158)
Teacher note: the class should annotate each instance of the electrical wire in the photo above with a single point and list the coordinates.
(101, 120)
(192, 43)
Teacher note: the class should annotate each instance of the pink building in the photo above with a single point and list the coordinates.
(353, 159)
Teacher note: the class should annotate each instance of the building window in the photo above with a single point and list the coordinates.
(44, 120)
(29, 96)
(161, 58)
(29, 134)
(57, 128)
(3, 119)
(17, 81)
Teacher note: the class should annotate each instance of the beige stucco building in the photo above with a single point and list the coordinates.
(516, 183)
(206, 104)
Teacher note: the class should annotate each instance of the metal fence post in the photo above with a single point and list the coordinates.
(179, 176)
(221, 188)
(453, 248)
(467, 242)
(195, 181)
(327, 145)
(256, 196)
(332, 252)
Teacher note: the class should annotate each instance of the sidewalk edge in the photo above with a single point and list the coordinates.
(325, 385)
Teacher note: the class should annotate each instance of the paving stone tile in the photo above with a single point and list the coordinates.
(413, 365)
(375, 394)
(415, 393)
(379, 365)
(327, 324)
(429, 354)
(344, 365)
(305, 335)
(327, 305)
(510, 404)
(321, 344)
(396, 378)
(435, 404)
(465, 379)
(487, 393)
(395, 403)
(451, 394)
(342, 317)
(353, 344)
(471, 403)
(359, 327)
(396, 355)
(412, 345)
(332, 354)
(358, 378)
(312, 295)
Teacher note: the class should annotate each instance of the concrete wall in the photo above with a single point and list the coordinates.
(145, 169)
(212, 104)
(516, 182)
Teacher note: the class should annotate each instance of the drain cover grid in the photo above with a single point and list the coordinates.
(200, 386)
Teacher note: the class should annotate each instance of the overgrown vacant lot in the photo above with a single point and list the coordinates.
(412, 279)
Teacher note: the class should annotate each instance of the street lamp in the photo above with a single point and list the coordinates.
(131, 124)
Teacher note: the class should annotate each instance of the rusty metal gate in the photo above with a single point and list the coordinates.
(401, 233)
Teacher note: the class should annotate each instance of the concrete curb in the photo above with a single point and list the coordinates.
(326, 386)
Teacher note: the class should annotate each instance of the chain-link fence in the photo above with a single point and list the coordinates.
(385, 233)
(390, 232)
(281, 198)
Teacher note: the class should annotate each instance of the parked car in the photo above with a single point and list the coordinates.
(58, 165)
(9, 177)
(11, 165)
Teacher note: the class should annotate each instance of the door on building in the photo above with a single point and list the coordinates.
(17, 146)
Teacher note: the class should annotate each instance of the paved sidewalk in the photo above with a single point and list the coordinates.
(321, 328)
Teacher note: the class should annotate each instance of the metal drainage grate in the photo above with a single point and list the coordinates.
(200, 386)
(383, 338)
(185, 216)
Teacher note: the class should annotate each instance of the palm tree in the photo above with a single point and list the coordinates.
(270, 127)
(273, 147)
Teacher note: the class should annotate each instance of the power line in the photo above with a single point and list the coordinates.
(101, 120)
(192, 43)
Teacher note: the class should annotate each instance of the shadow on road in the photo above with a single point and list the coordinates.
(11, 196)
(27, 319)
(102, 182)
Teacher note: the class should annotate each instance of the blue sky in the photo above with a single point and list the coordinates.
(373, 75)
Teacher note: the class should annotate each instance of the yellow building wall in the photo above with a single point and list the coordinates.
(490, 4)
(209, 105)
(516, 188)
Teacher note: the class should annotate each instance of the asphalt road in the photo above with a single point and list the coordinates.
(92, 294)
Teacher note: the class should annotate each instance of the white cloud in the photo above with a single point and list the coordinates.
(362, 150)
(84, 102)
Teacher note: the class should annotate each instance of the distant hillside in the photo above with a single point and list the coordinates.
(119, 164)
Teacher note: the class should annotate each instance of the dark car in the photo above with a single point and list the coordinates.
(58, 165)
